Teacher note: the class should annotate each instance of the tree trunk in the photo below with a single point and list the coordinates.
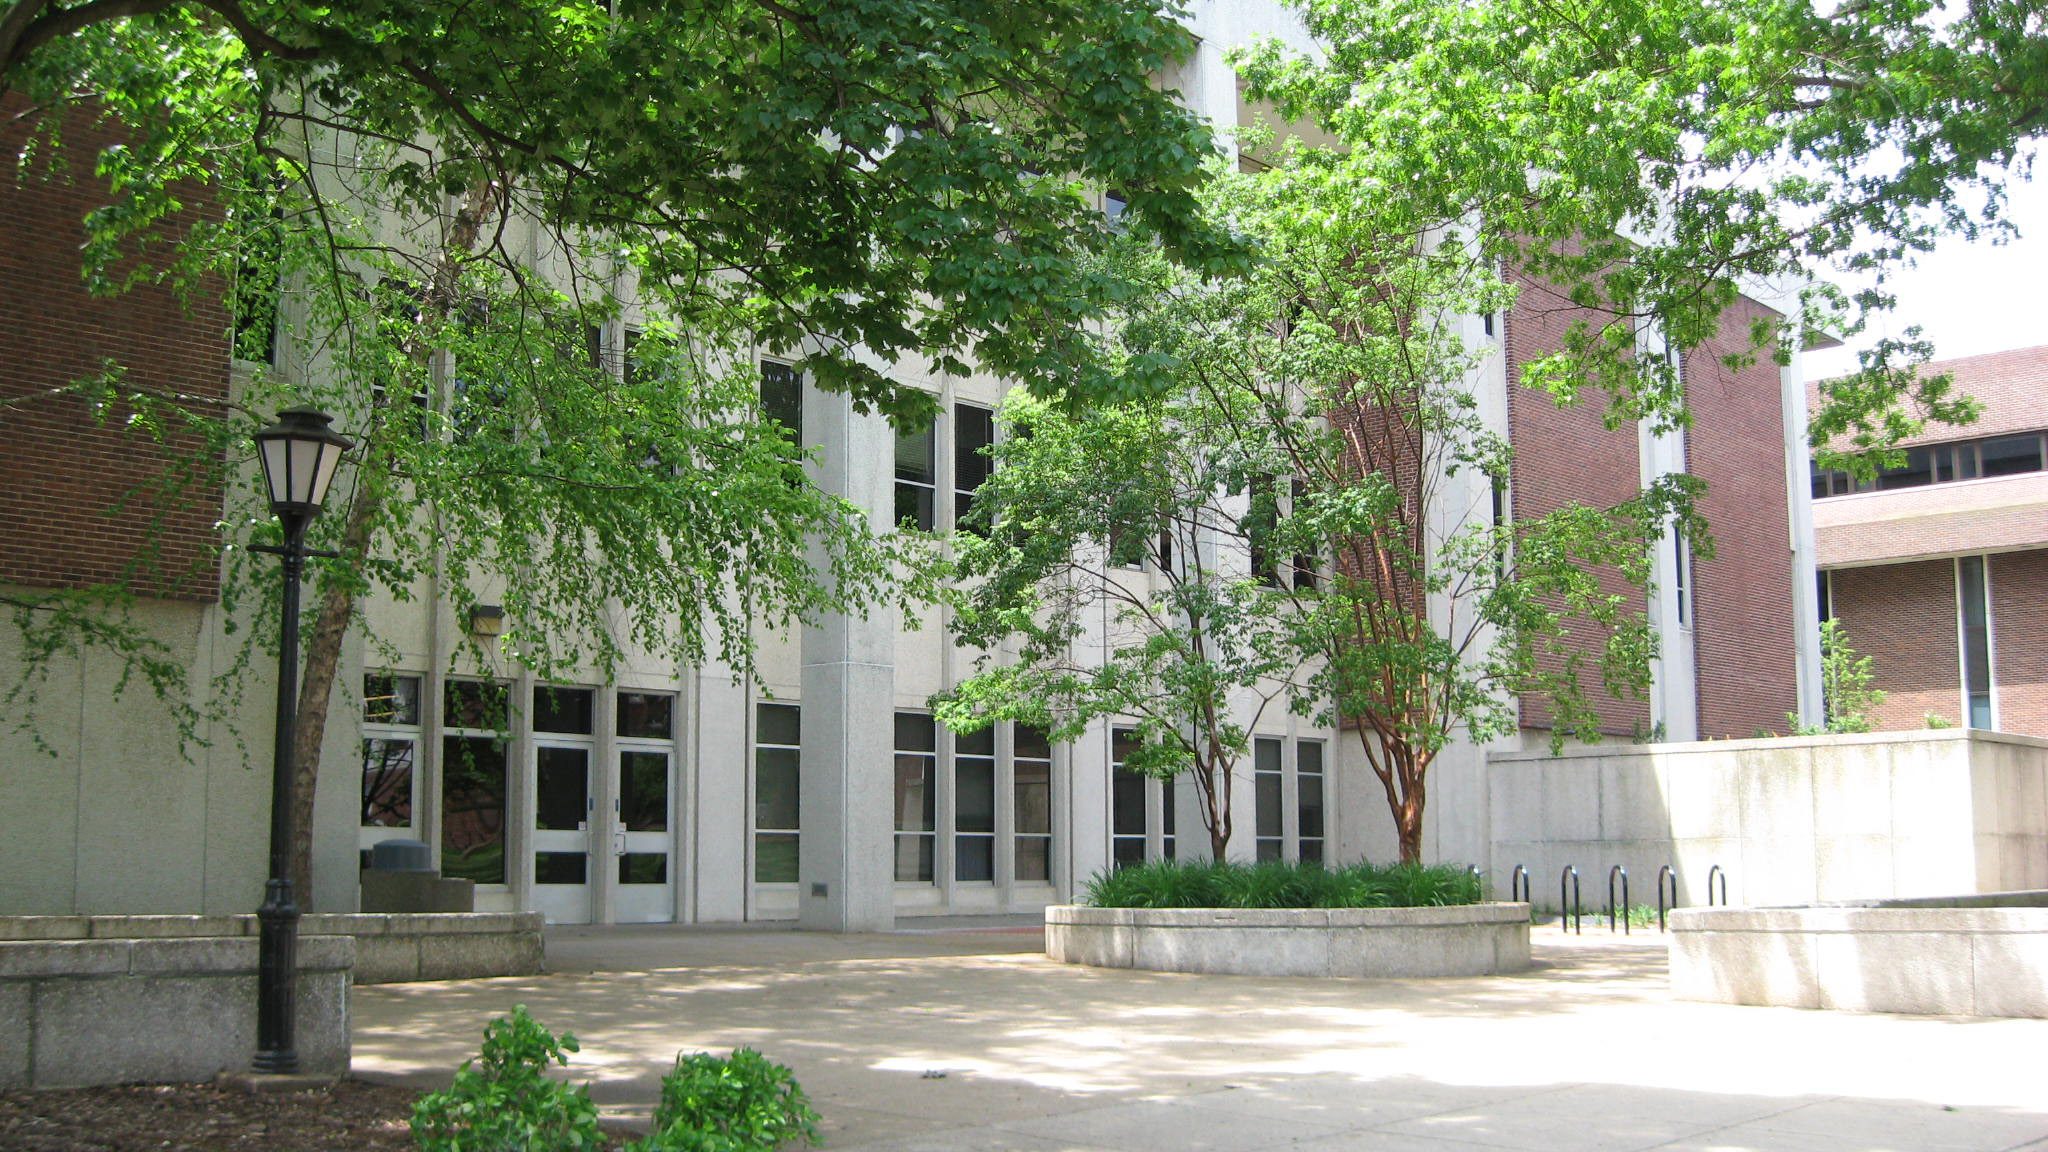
(316, 687)
(337, 598)
(1408, 824)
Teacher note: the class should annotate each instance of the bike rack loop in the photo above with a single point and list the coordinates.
(1665, 876)
(1714, 874)
(1518, 885)
(1570, 876)
(1618, 870)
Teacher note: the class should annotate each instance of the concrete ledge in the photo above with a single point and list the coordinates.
(1923, 960)
(157, 1008)
(389, 948)
(1467, 940)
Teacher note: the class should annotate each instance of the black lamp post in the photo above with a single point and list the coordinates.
(299, 455)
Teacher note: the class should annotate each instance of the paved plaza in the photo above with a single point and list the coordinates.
(961, 1035)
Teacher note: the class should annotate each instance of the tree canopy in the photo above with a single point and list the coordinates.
(1656, 158)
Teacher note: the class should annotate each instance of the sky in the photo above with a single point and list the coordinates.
(1970, 298)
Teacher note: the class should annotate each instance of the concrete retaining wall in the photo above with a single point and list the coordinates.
(1791, 821)
(1470, 940)
(112, 1011)
(1936, 961)
(389, 949)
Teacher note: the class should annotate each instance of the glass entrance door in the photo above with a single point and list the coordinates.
(643, 842)
(563, 805)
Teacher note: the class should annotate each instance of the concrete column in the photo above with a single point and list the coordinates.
(845, 872)
(713, 776)
(1799, 505)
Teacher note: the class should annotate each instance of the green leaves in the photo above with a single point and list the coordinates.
(504, 1100)
(1655, 160)
(738, 1103)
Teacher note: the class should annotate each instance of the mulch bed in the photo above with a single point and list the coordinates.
(352, 1115)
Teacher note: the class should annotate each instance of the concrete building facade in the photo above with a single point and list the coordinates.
(818, 788)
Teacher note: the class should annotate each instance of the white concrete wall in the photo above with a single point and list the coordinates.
(109, 817)
(1789, 821)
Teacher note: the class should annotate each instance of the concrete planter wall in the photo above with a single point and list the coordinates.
(1471, 940)
(389, 949)
(164, 1008)
(1898, 956)
(117, 999)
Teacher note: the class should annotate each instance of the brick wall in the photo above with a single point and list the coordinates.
(1743, 626)
(1565, 456)
(1903, 616)
(62, 474)
(2019, 629)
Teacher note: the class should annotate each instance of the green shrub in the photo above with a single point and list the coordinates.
(739, 1103)
(502, 1101)
(1271, 884)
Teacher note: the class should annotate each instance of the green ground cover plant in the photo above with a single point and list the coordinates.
(1274, 884)
(505, 1101)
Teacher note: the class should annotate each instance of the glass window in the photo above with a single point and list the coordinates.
(391, 734)
(1308, 779)
(974, 806)
(643, 791)
(1032, 776)
(782, 397)
(1127, 802)
(916, 798)
(1975, 621)
(1267, 779)
(646, 716)
(1114, 205)
(643, 868)
(1918, 470)
(2011, 455)
(475, 704)
(1305, 564)
(1262, 516)
(473, 808)
(974, 433)
(916, 479)
(561, 789)
(565, 711)
(387, 782)
(777, 779)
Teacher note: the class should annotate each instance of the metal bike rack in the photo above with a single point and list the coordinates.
(1665, 876)
(1518, 885)
(1570, 877)
(1618, 870)
(1714, 874)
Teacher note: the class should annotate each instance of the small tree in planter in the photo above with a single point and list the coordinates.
(1096, 566)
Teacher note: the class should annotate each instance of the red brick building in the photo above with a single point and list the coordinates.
(1938, 569)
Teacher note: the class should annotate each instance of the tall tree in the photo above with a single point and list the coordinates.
(1322, 472)
(1654, 158)
(451, 195)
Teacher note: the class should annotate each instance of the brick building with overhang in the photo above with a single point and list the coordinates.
(1938, 569)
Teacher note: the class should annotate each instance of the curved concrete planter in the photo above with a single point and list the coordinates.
(1469, 940)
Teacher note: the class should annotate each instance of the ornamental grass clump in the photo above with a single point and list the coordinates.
(1272, 884)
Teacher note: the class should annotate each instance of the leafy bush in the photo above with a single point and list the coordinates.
(739, 1103)
(1271, 884)
(503, 1101)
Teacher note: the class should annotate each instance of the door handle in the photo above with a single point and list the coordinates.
(619, 842)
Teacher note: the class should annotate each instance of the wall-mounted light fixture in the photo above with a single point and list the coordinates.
(486, 620)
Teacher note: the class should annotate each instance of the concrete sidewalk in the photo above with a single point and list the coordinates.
(961, 1035)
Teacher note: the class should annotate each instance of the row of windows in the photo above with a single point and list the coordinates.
(475, 781)
(1006, 761)
(1288, 813)
(1945, 464)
